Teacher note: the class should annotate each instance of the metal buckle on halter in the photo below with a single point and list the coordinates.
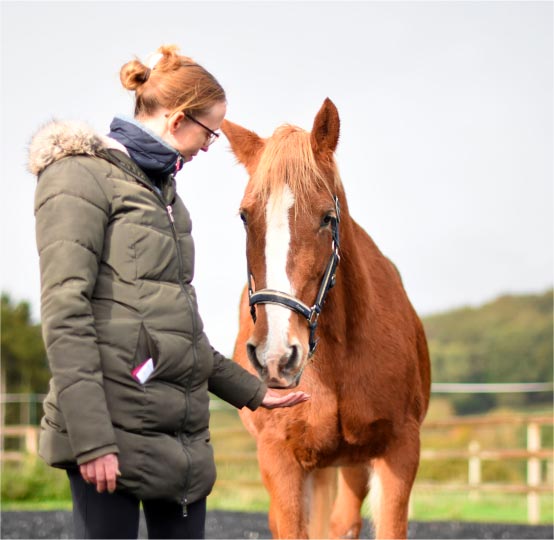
(314, 315)
(250, 293)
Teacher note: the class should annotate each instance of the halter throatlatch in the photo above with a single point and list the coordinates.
(311, 314)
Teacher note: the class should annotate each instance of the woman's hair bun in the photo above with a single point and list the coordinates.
(134, 74)
(173, 81)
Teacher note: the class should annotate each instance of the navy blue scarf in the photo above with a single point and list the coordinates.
(153, 155)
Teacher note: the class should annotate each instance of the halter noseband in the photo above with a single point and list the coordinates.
(311, 314)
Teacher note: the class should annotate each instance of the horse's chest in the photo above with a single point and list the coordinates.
(337, 440)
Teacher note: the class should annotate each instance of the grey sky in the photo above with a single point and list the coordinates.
(446, 148)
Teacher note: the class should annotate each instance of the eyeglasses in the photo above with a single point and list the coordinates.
(212, 137)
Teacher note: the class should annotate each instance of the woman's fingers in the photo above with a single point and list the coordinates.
(273, 399)
(112, 472)
(102, 472)
(91, 472)
(84, 474)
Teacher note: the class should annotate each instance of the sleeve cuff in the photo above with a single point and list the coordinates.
(256, 401)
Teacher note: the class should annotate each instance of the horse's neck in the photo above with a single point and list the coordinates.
(349, 303)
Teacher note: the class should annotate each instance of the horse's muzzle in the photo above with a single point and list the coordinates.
(277, 371)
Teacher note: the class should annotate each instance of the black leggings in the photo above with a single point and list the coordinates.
(116, 515)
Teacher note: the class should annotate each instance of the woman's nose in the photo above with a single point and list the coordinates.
(204, 148)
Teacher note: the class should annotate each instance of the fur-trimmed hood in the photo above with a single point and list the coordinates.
(59, 139)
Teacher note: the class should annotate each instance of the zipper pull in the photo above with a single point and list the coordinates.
(170, 213)
(184, 502)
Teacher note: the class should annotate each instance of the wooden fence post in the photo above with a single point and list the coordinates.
(474, 468)
(533, 472)
(31, 440)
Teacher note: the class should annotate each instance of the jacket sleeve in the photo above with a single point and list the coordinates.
(234, 384)
(72, 212)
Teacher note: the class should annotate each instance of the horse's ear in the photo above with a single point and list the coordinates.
(325, 132)
(246, 145)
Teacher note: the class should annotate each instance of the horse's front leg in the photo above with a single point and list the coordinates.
(285, 481)
(392, 481)
(346, 521)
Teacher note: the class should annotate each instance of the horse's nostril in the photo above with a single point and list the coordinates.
(251, 351)
(293, 359)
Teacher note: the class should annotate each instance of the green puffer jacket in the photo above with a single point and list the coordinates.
(116, 262)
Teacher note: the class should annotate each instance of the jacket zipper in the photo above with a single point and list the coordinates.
(184, 500)
(169, 211)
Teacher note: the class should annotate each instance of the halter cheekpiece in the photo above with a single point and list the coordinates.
(311, 314)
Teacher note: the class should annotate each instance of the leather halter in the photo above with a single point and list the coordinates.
(311, 314)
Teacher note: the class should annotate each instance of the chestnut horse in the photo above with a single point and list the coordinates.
(343, 332)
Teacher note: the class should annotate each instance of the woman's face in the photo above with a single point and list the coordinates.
(189, 136)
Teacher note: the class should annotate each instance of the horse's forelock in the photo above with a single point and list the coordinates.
(288, 159)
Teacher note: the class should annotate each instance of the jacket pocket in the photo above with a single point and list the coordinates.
(145, 358)
(146, 349)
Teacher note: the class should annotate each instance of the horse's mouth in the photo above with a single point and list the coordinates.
(283, 382)
(281, 386)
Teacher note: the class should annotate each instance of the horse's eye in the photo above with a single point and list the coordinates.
(243, 218)
(327, 219)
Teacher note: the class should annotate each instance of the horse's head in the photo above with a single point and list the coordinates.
(289, 212)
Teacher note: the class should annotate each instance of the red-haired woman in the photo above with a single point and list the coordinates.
(127, 412)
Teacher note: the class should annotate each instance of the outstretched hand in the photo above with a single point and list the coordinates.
(273, 399)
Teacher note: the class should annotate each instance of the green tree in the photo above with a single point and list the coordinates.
(24, 363)
(507, 340)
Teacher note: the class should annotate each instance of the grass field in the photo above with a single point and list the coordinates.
(33, 486)
(488, 508)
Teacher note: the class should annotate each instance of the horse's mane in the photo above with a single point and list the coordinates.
(288, 159)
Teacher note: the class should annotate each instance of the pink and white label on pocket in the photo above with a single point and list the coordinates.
(143, 371)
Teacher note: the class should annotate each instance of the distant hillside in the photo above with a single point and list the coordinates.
(507, 340)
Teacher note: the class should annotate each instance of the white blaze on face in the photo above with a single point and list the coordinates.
(276, 253)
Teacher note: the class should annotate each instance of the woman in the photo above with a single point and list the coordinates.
(127, 411)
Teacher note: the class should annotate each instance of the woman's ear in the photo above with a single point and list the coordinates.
(174, 121)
